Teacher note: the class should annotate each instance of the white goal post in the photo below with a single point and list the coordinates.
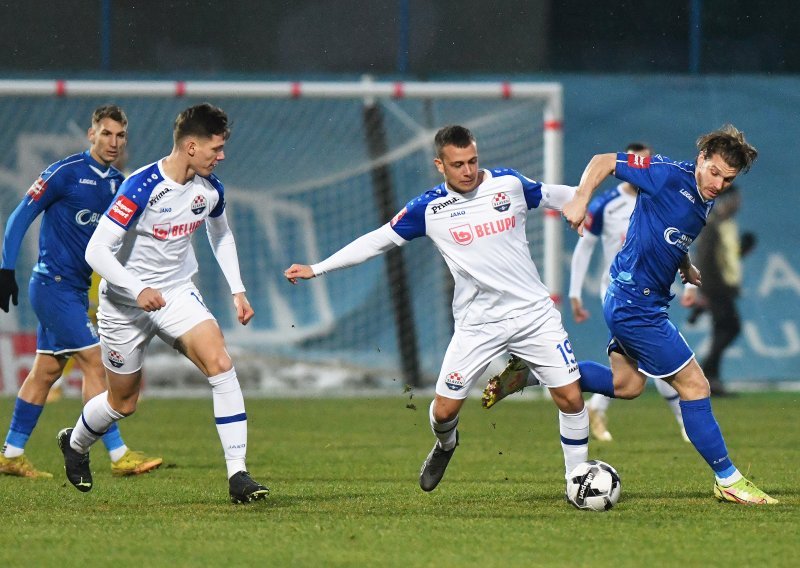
(303, 178)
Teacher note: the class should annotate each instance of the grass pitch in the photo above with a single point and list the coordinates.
(343, 475)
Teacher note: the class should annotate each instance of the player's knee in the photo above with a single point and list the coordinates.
(218, 364)
(629, 387)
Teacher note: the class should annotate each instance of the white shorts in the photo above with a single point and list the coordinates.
(126, 331)
(538, 339)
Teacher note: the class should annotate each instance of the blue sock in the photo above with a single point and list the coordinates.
(112, 439)
(23, 421)
(596, 378)
(704, 432)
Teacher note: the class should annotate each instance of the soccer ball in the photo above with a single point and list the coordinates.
(593, 486)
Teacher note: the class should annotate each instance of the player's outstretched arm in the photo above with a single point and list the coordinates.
(599, 168)
(244, 311)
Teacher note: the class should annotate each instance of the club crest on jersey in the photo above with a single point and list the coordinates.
(638, 162)
(113, 184)
(400, 215)
(116, 359)
(462, 234)
(161, 231)
(454, 381)
(198, 205)
(501, 202)
(37, 189)
(122, 210)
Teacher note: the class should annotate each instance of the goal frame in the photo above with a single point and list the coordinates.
(367, 89)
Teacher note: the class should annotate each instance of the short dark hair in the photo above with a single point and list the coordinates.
(109, 111)
(452, 135)
(203, 120)
(638, 147)
(730, 144)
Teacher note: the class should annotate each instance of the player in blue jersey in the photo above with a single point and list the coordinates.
(607, 221)
(72, 194)
(142, 248)
(476, 218)
(674, 201)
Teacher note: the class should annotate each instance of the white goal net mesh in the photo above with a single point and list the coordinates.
(300, 184)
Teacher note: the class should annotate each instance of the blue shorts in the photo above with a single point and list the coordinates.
(63, 313)
(645, 334)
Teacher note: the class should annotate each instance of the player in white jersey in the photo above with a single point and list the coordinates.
(476, 218)
(607, 220)
(142, 248)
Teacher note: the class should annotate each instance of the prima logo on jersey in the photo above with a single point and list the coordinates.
(161, 231)
(122, 210)
(116, 359)
(198, 205)
(87, 217)
(638, 162)
(676, 238)
(439, 206)
(454, 381)
(501, 202)
(397, 217)
(37, 189)
(159, 195)
(462, 234)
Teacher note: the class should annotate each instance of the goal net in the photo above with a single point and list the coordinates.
(309, 167)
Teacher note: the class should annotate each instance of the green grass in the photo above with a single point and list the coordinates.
(343, 475)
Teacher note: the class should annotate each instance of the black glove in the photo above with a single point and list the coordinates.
(8, 288)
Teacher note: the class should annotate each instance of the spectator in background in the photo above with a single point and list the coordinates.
(718, 255)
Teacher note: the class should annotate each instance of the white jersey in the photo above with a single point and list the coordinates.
(481, 235)
(159, 216)
(607, 219)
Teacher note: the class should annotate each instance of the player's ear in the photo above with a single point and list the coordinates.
(439, 165)
(90, 134)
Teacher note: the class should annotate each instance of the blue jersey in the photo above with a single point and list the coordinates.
(73, 193)
(669, 214)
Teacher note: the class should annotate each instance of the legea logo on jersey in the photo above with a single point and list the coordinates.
(454, 381)
(674, 237)
(501, 202)
(122, 210)
(161, 231)
(37, 189)
(638, 162)
(116, 359)
(462, 234)
(198, 205)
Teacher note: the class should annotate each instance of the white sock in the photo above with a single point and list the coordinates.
(599, 403)
(445, 432)
(117, 453)
(231, 419)
(731, 479)
(671, 397)
(96, 418)
(574, 430)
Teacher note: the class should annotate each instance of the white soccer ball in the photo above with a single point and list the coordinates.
(593, 486)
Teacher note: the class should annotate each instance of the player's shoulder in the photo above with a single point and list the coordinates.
(685, 167)
(147, 175)
(423, 200)
(214, 182)
(64, 167)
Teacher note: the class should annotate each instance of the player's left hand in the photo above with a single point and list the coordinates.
(296, 271)
(244, 311)
(575, 212)
(690, 275)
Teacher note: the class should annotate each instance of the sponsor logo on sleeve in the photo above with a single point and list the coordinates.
(396, 218)
(638, 162)
(587, 224)
(37, 189)
(501, 202)
(122, 210)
